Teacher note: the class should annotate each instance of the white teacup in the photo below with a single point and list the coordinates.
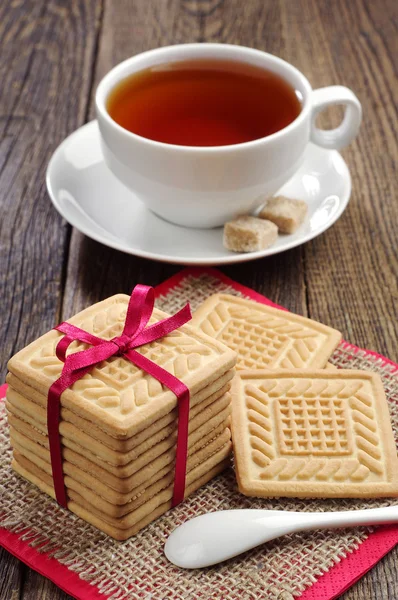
(206, 186)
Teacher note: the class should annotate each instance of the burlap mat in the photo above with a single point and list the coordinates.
(137, 569)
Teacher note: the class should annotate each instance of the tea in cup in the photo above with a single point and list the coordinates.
(203, 132)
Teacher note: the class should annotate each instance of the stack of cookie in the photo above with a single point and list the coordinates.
(118, 424)
(300, 427)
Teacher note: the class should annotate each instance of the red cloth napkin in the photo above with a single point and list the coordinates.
(327, 587)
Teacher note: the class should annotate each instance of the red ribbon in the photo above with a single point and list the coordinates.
(135, 333)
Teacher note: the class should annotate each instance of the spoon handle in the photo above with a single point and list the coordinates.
(351, 518)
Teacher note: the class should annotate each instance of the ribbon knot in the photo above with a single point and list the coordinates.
(123, 344)
(135, 333)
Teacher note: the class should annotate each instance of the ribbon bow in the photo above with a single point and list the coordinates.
(135, 334)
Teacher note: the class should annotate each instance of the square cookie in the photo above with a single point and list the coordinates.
(266, 337)
(313, 434)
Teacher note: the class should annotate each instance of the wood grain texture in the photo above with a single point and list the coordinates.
(11, 576)
(36, 587)
(46, 64)
(53, 55)
(47, 52)
(351, 271)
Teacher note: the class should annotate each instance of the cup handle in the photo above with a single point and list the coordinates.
(348, 129)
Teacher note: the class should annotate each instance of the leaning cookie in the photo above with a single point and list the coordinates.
(264, 336)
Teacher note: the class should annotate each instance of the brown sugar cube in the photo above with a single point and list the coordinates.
(248, 234)
(286, 213)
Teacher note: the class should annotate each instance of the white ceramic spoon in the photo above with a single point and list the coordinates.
(217, 536)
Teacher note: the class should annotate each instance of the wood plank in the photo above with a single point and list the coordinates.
(352, 270)
(37, 587)
(47, 51)
(11, 576)
(46, 76)
(95, 271)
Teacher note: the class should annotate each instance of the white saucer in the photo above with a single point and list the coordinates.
(91, 199)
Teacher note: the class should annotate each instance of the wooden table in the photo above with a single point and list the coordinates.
(53, 54)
